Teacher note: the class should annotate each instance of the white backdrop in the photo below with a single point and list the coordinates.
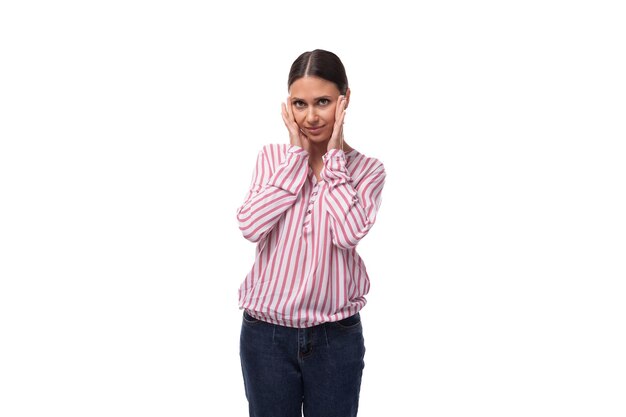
(129, 130)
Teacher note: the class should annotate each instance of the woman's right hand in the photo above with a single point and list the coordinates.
(296, 136)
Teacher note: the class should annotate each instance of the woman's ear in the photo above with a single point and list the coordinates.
(347, 97)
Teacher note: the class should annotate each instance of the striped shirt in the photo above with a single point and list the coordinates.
(307, 270)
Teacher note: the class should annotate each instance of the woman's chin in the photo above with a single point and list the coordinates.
(318, 138)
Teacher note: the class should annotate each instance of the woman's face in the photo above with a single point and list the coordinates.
(314, 101)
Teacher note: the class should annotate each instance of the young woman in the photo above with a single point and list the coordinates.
(309, 204)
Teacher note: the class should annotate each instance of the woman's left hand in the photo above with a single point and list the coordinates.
(336, 139)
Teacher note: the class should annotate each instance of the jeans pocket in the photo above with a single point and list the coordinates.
(349, 322)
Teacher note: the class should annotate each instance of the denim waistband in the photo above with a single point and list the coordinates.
(353, 319)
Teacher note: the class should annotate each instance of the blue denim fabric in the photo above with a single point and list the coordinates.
(315, 370)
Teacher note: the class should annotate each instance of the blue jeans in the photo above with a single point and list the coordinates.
(317, 370)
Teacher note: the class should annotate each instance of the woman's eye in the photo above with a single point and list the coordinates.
(298, 104)
(324, 101)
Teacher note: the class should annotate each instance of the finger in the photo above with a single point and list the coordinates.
(340, 106)
(343, 116)
(288, 118)
(289, 109)
(340, 118)
(336, 131)
(337, 107)
(292, 118)
(338, 127)
(284, 114)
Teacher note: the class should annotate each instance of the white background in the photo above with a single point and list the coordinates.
(129, 131)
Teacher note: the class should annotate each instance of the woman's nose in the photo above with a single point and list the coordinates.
(311, 116)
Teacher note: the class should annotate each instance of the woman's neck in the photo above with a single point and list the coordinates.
(317, 150)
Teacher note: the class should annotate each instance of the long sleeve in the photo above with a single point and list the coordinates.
(352, 212)
(271, 193)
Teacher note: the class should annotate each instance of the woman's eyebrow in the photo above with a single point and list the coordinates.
(316, 98)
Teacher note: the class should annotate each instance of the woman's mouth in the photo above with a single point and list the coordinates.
(315, 129)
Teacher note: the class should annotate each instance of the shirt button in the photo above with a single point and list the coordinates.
(308, 211)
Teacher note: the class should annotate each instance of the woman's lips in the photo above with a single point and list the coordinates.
(315, 129)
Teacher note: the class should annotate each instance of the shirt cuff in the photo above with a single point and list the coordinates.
(298, 150)
(291, 174)
(334, 153)
(335, 171)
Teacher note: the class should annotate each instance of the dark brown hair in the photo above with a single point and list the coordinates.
(319, 63)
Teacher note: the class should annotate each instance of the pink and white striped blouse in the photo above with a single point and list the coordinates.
(307, 270)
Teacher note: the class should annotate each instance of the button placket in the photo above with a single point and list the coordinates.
(311, 203)
(312, 200)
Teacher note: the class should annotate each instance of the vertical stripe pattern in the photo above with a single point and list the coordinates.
(307, 270)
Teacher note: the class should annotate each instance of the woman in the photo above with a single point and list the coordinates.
(310, 203)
